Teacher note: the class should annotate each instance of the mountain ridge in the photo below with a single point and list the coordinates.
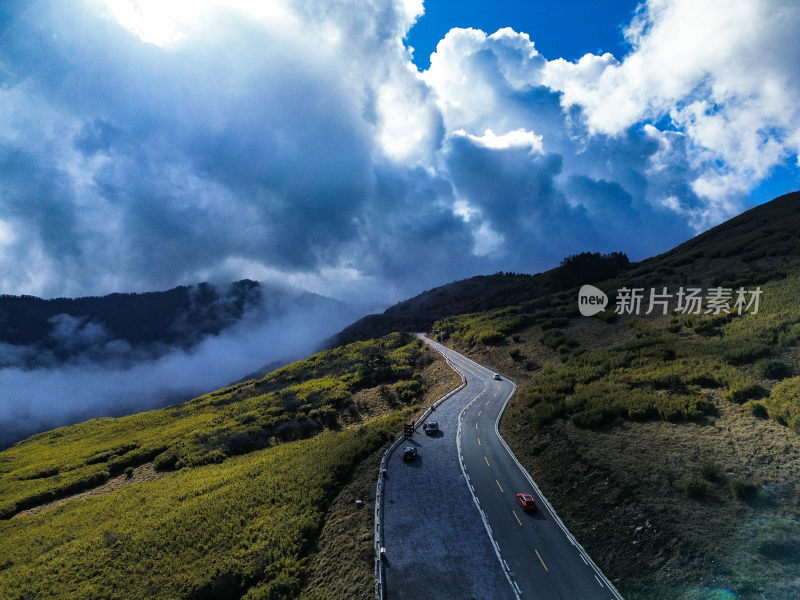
(42, 332)
(486, 292)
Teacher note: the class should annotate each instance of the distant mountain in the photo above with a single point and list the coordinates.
(753, 247)
(39, 332)
(484, 292)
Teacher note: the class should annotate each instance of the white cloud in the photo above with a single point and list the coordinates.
(167, 22)
(518, 138)
(723, 72)
(295, 139)
(487, 241)
(409, 124)
(472, 74)
(7, 236)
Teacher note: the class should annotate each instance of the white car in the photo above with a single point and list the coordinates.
(497, 376)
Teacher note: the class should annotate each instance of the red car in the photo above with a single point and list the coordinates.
(526, 501)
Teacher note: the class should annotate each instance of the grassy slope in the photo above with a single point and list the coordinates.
(247, 498)
(654, 437)
(476, 294)
(217, 531)
(292, 402)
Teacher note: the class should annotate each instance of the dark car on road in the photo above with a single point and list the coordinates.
(431, 427)
(526, 501)
(409, 453)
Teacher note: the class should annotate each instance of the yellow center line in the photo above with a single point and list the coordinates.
(498, 485)
(479, 412)
(487, 461)
(540, 558)
(479, 441)
(476, 424)
(487, 402)
(517, 518)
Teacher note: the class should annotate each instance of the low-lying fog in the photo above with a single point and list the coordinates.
(39, 399)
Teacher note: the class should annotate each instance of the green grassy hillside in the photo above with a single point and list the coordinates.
(669, 443)
(245, 479)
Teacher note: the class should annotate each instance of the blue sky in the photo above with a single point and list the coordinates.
(567, 29)
(150, 143)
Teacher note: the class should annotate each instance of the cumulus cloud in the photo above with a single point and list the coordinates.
(147, 144)
(530, 174)
(725, 75)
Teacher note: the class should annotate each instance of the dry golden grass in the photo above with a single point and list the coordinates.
(341, 566)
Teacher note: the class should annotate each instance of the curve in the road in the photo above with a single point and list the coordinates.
(435, 548)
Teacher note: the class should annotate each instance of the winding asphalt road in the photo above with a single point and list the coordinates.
(452, 528)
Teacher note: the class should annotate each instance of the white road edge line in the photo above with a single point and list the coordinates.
(559, 522)
(550, 508)
(503, 563)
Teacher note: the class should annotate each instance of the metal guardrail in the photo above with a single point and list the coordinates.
(380, 588)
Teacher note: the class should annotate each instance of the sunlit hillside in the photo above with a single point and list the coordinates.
(224, 496)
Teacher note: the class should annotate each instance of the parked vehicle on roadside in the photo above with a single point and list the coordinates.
(431, 427)
(409, 453)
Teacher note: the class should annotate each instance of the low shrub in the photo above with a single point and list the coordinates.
(544, 413)
(552, 338)
(554, 323)
(743, 489)
(746, 352)
(742, 392)
(758, 410)
(772, 369)
(694, 487)
(783, 403)
(711, 471)
(408, 391)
